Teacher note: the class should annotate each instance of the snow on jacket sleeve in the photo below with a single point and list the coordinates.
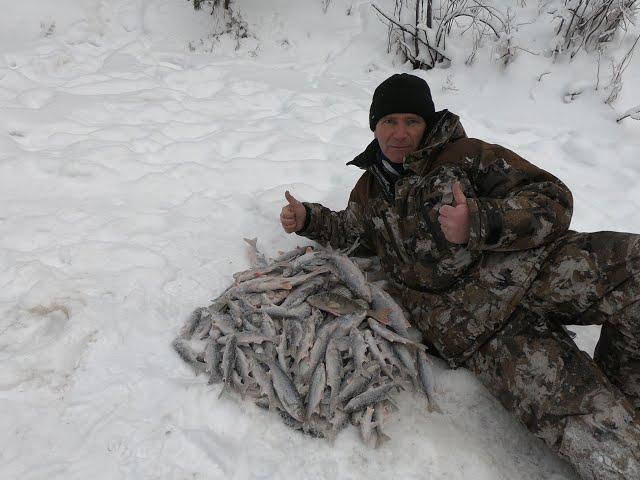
(518, 205)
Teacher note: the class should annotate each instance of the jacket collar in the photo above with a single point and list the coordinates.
(446, 129)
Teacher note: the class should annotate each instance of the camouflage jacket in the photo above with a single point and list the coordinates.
(458, 295)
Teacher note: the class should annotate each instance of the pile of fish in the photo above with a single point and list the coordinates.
(311, 335)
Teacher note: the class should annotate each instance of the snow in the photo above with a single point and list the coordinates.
(136, 151)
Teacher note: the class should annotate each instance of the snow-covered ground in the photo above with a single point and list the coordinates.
(135, 154)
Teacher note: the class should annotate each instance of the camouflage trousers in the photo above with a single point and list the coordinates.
(586, 410)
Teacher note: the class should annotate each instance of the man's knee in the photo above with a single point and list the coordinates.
(536, 371)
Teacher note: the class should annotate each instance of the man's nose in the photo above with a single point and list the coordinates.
(400, 131)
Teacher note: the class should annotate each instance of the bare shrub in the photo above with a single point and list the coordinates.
(198, 4)
(585, 24)
(420, 32)
(227, 24)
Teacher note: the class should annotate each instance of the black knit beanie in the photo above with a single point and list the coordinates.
(401, 93)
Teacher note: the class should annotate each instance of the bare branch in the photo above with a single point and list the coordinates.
(542, 75)
(631, 113)
(617, 70)
(584, 24)
(414, 32)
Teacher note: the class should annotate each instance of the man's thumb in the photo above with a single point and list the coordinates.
(290, 198)
(458, 194)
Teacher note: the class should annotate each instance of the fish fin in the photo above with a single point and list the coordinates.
(417, 345)
(224, 387)
(415, 383)
(265, 301)
(391, 405)
(262, 358)
(214, 378)
(352, 248)
(381, 315)
(402, 386)
(382, 437)
(434, 407)
(356, 417)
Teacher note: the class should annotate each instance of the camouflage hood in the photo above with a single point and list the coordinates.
(446, 129)
(458, 295)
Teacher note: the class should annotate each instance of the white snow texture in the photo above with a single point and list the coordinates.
(136, 151)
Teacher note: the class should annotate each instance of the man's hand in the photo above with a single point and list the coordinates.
(454, 221)
(293, 214)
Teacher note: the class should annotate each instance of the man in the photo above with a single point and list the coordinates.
(475, 241)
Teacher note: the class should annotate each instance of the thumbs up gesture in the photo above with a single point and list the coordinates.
(454, 220)
(293, 214)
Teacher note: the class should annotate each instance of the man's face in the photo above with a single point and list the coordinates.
(399, 134)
